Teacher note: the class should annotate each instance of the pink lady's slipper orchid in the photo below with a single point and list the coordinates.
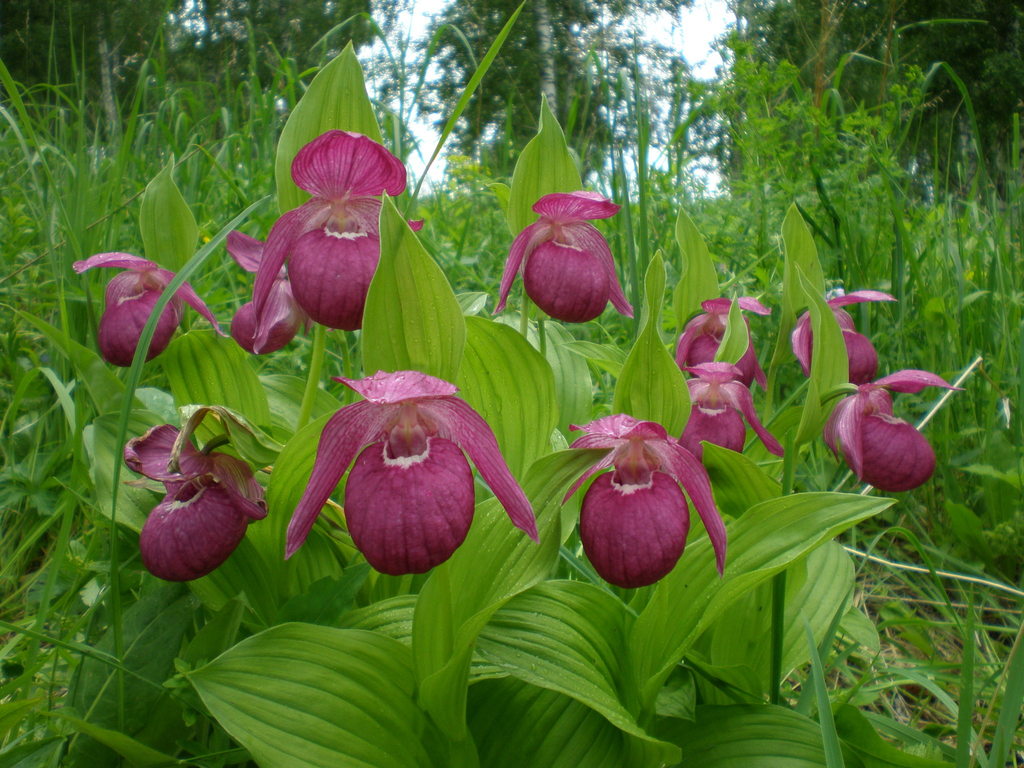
(409, 497)
(882, 450)
(282, 314)
(859, 349)
(720, 404)
(331, 242)
(635, 519)
(129, 301)
(703, 334)
(567, 266)
(211, 499)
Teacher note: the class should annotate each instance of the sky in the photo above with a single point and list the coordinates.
(692, 32)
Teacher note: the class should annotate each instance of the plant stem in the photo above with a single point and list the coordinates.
(316, 362)
(524, 317)
(779, 582)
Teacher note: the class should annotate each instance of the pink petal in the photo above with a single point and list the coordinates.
(407, 519)
(575, 206)
(896, 456)
(610, 431)
(722, 306)
(458, 422)
(118, 260)
(741, 396)
(346, 433)
(912, 380)
(126, 315)
(386, 388)
(587, 237)
(330, 277)
(246, 251)
(337, 164)
(858, 297)
(524, 243)
(187, 294)
(801, 342)
(843, 430)
(150, 454)
(690, 474)
(603, 464)
(281, 314)
(723, 427)
(715, 372)
(634, 538)
(862, 356)
(567, 283)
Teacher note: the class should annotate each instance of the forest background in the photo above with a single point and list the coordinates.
(895, 126)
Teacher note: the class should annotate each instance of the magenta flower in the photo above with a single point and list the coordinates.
(720, 404)
(567, 266)
(635, 520)
(703, 335)
(331, 243)
(859, 349)
(409, 497)
(282, 314)
(882, 450)
(211, 499)
(129, 301)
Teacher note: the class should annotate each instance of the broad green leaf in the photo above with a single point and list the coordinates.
(607, 357)
(566, 636)
(412, 319)
(247, 576)
(284, 396)
(508, 383)
(335, 100)
(699, 280)
(737, 482)
(736, 339)
(302, 694)
(105, 390)
(12, 713)
(762, 542)
(496, 562)
(104, 451)
(651, 386)
(874, 752)
(829, 363)
(515, 724)
(544, 166)
(45, 753)
(202, 367)
(251, 442)
(169, 231)
(746, 736)
(391, 617)
(799, 253)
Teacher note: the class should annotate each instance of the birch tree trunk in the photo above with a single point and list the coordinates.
(547, 58)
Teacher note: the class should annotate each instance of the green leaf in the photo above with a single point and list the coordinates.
(391, 617)
(829, 363)
(829, 737)
(508, 383)
(799, 252)
(134, 751)
(169, 231)
(544, 166)
(699, 280)
(747, 736)
(320, 697)
(496, 562)
(762, 542)
(252, 443)
(335, 100)
(284, 396)
(105, 451)
(737, 482)
(203, 367)
(607, 357)
(566, 636)
(544, 729)
(651, 386)
(736, 339)
(874, 752)
(412, 319)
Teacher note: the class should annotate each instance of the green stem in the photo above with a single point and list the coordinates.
(316, 362)
(543, 336)
(524, 317)
(779, 581)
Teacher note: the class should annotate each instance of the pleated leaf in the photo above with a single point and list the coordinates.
(169, 231)
(737, 482)
(736, 339)
(830, 365)
(766, 539)
(651, 386)
(336, 99)
(511, 385)
(202, 367)
(412, 319)
(544, 166)
(302, 694)
(699, 280)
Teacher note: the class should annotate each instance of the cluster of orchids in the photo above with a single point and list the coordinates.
(409, 497)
